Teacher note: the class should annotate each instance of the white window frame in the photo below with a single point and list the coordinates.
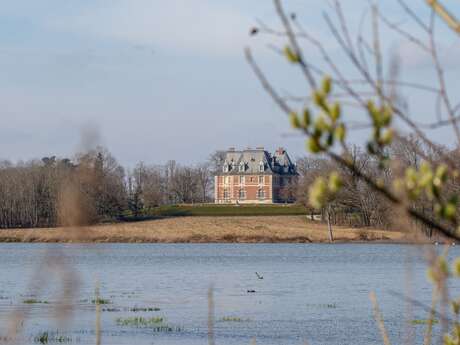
(260, 193)
(242, 167)
(242, 194)
(261, 179)
(261, 167)
(242, 179)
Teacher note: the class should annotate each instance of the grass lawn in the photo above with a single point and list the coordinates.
(202, 210)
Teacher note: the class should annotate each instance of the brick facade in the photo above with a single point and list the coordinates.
(254, 176)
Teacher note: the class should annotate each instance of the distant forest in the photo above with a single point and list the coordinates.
(32, 194)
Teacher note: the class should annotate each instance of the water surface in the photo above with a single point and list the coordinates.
(309, 292)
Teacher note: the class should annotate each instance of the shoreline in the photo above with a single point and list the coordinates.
(234, 229)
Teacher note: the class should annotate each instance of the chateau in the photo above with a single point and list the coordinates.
(254, 176)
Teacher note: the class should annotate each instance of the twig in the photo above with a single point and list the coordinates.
(211, 340)
(379, 319)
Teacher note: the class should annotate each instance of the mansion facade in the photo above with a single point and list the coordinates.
(254, 176)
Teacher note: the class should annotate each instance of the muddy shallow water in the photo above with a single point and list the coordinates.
(309, 292)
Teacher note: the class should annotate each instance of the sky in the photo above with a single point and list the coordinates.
(167, 80)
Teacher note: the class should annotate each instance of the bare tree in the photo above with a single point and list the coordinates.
(379, 97)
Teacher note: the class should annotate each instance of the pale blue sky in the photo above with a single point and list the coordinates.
(162, 80)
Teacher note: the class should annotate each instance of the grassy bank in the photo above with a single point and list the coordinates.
(202, 229)
(212, 210)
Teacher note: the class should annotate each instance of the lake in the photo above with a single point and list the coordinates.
(158, 293)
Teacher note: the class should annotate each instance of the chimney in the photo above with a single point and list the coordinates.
(259, 148)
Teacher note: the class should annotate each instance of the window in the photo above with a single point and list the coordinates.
(242, 194)
(260, 193)
(261, 180)
(261, 167)
(226, 194)
(225, 167)
(242, 180)
(242, 167)
(226, 179)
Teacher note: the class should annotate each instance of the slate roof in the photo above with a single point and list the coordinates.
(251, 159)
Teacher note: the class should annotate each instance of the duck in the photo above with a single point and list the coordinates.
(259, 276)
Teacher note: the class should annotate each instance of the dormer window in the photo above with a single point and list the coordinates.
(242, 167)
(261, 167)
(226, 167)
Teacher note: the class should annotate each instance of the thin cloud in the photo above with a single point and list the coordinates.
(413, 56)
(197, 27)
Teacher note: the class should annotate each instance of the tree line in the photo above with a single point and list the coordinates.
(36, 193)
(356, 203)
(31, 193)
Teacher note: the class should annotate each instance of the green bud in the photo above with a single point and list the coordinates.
(306, 118)
(321, 124)
(425, 167)
(318, 98)
(327, 85)
(387, 116)
(371, 106)
(294, 119)
(387, 137)
(335, 182)
(335, 112)
(313, 145)
(317, 195)
(340, 132)
(441, 172)
(411, 178)
(437, 182)
(372, 110)
(425, 179)
(290, 55)
(456, 267)
(450, 211)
